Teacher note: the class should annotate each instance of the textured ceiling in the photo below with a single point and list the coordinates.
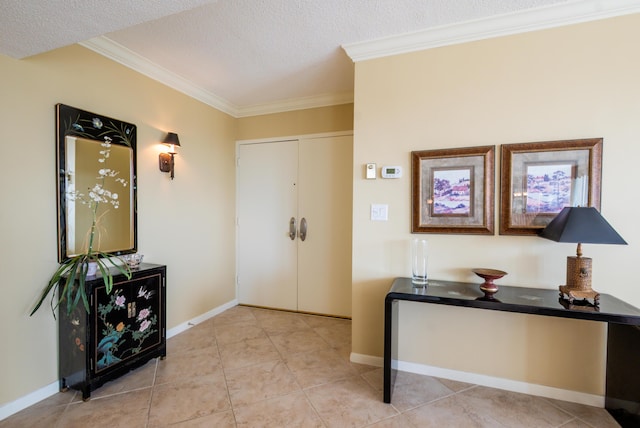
(244, 52)
(254, 52)
(29, 27)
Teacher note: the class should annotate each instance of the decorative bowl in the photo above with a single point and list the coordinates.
(489, 275)
(133, 260)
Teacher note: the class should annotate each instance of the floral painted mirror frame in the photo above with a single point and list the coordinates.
(95, 154)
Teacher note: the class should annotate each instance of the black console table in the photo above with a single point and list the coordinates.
(622, 398)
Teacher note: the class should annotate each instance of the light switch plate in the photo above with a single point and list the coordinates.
(379, 212)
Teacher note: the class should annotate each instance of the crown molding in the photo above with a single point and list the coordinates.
(572, 12)
(122, 55)
(118, 53)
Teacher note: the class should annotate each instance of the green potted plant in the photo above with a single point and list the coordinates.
(71, 275)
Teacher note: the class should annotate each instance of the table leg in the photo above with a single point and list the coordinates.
(623, 377)
(390, 346)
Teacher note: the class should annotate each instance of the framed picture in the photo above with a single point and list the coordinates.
(539, 179)
(452, 190)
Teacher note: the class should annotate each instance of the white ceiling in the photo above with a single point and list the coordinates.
(257, 56)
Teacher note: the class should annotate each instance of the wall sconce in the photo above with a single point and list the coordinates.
(166, 159)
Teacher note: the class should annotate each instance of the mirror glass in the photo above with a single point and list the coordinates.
(97, 177)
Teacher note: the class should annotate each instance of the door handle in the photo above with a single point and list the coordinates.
(292, 228)
(303, 229)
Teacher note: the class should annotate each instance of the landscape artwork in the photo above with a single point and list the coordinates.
(549, 187)
(452, 191)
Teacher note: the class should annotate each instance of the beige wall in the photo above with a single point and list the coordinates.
(299, 122)
(187, 224)
(573, 82)
(181, 222)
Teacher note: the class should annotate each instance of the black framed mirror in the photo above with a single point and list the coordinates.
(96, 167)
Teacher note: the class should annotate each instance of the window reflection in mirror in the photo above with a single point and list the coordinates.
(115, 224)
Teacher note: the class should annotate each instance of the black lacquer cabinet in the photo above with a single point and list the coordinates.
(124, 330)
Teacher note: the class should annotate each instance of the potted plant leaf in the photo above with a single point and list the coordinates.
(71, 276)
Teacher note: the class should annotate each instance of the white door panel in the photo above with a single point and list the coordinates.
(267, 199)
(324, 200)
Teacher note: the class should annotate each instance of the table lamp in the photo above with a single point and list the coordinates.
(580, 225)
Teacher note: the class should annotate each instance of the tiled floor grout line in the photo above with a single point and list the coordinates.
(224, 375)
(153, 389)
(283, 359)
(69, 403)
(330, 376)
(574, 417)
(435, 400)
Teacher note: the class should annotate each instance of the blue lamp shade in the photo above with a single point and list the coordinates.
(581, 225)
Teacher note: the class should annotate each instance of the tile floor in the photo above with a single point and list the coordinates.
(250, 367)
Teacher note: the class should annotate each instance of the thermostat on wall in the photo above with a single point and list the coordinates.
(391, 172)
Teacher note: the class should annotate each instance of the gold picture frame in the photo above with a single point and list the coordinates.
(538, 179)
(453, 190)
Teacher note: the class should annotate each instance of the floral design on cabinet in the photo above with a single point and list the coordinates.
(124, 324)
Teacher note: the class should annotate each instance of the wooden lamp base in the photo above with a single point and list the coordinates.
(579, 280)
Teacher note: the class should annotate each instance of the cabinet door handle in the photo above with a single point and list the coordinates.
(292, 228)
(303, 229)
(131, 309)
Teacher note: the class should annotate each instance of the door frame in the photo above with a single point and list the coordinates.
(261, 141)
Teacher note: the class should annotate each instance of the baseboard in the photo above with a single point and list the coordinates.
(200, 318)
(369, 360)
(484, 380)
(32, 398)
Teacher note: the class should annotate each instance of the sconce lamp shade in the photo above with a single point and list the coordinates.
(172, 139)
(167, 161)
(581, 225)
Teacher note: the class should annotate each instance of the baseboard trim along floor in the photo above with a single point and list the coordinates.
(484, 380)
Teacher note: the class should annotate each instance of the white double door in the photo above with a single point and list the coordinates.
(294, 224)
